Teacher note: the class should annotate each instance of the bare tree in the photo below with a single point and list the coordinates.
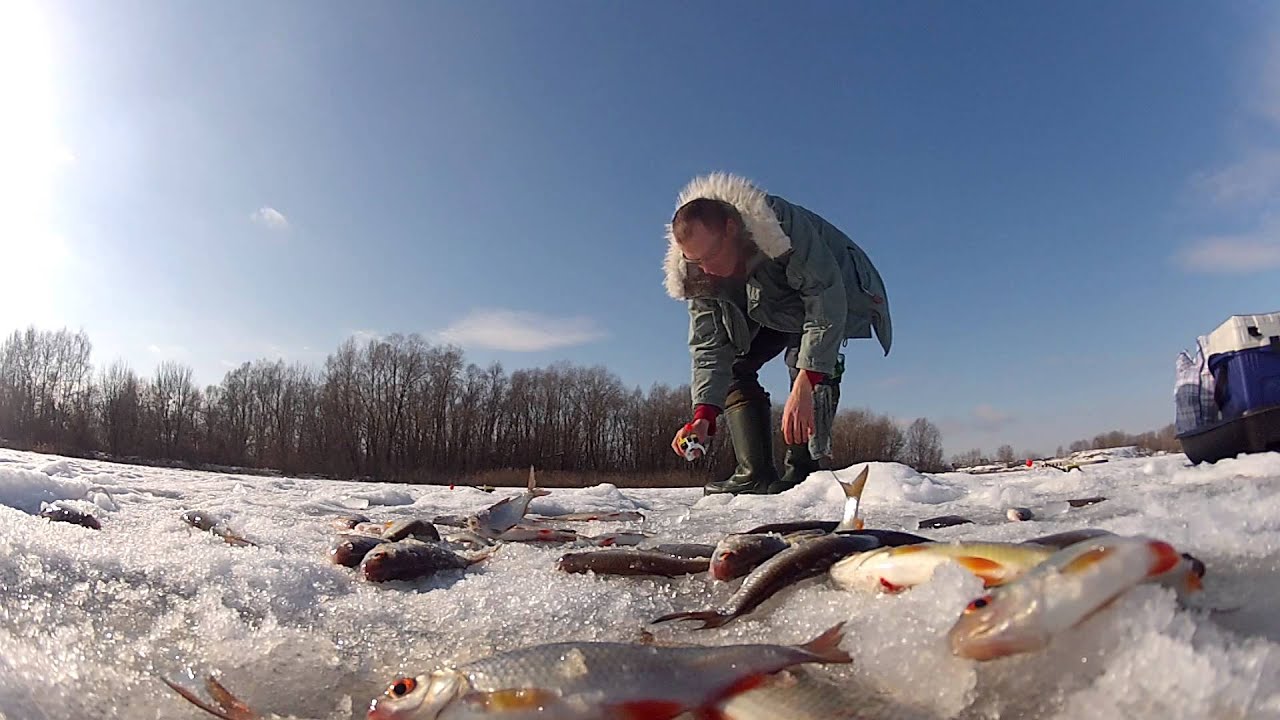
(970, 458)
(1004, 454)
(923, 449)
(171, 404)
(120, 409)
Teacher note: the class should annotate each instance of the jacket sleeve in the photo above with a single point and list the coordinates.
(815, 274)
(712, 353)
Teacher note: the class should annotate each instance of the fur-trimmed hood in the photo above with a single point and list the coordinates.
(752, 203)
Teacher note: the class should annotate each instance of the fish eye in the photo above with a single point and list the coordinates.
(402, 687)
(978, 604)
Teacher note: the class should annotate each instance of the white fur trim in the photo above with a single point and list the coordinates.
(751, 204)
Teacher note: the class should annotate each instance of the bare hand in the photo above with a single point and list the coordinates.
(797, 416)
(697, 427)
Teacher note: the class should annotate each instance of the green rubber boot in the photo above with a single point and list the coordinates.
(751, 433)
(797, 465)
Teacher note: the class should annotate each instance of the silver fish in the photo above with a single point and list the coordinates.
(617, 516)
(209, 523)
(596, 681)
(505, 514)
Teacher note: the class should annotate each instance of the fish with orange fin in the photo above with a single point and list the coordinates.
(224, 705)
(795, 694)
(897, 568)
(597, 681)
(1059, 593)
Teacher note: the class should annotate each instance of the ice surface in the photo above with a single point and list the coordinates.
(89, 620)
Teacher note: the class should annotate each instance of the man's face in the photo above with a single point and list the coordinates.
(713, 250)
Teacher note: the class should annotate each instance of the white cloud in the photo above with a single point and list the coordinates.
(518, 331)
(362, 337)
(990, 419)
(1249, 187)
(1256, 179)
(1249, 252)
(166, 351)
(270, 218)
(982, 419)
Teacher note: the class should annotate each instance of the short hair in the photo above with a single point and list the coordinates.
(713, 213)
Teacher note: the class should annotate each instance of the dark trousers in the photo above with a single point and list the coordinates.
(765, 346)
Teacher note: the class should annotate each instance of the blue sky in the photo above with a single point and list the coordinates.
(1058, 196)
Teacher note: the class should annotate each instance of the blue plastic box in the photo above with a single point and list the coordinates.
(1247, 379)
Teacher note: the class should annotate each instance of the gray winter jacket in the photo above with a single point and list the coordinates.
(804, 276)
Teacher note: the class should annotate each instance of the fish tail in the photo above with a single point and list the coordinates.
(853, 501)
(854, 488)
(482, 555)
(710, 618)
(534, 490)
(826, 647)
(238, 710)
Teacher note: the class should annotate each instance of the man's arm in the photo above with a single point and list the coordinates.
(814, 272)
(712, 355)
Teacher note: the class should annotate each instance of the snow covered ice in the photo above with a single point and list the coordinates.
(91, 619)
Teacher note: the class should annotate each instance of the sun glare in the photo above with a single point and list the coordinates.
(31, 155)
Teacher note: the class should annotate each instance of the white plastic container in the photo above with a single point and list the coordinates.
(1243, 332)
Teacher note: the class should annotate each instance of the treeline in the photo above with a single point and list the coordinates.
(1164, 439)
(395, 408)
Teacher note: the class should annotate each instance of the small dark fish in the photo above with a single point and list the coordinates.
(1064, 539)
(348, 550)
(202, 520)
(347, 522)
(618, 539)
(409, 560)
(738, 554)
(450, 521)
(1019, 514)
(687, 550)
(1082, 502)
(630, 562)
(620, 516)
(57, 513)
(943, 521)
(888, 538)
(416, 528)
(805, 559)
(786, 528)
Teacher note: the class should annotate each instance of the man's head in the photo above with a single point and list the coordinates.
(709, 233)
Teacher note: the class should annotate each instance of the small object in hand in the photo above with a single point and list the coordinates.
(692, 447)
